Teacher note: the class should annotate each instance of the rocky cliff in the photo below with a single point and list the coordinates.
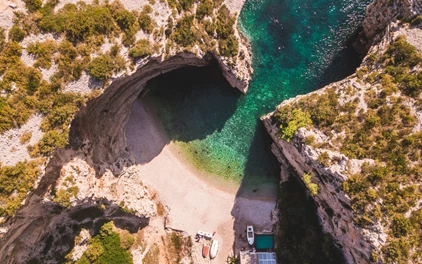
(335, 140)
(89, 182)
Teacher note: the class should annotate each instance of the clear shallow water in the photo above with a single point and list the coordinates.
(298, 46)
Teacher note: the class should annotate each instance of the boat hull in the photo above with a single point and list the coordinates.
(214, 249)
(250, 235)
(205, 251)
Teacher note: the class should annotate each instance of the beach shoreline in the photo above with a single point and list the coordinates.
(194, 201)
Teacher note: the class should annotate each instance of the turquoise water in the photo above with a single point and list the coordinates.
(298, 46)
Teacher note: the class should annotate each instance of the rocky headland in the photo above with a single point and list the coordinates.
(337, 142)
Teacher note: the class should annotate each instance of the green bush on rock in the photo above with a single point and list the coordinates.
(291, 121)
(105, 247)
(101, 67)
(16, 34)
(141, 49)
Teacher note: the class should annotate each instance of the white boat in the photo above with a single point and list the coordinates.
(214, 249)
(250, 235)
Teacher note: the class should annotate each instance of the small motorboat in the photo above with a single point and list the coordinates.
(214, 249)
(250, 235)
(205, 250)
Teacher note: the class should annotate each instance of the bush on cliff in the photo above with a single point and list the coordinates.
(16, 34)
(141, 49)
(79, 23)
(43, 53)
(183, 34)
(205, 8)
(33, 5)
(15, 182)
(291, 121)
(101, 67)
(105, 247)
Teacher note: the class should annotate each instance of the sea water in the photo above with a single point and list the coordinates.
(298, 46)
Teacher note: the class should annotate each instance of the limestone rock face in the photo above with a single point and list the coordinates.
(381, 12)
(98, 128)
(333, 205)
(297, 158)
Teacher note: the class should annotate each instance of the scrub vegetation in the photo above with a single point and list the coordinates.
(388, 190)
(108, 246)
(84, 29)
(15, 183)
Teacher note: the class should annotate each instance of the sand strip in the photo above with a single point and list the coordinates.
(193, 203)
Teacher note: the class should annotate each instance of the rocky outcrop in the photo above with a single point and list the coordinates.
(380, 13)
(333, 205)
(298, 158)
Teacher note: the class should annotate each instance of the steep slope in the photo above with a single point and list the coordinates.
(355, 144)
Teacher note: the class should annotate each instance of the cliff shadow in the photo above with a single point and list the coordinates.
(344, 63)
(182, 105)
(256, 197)
(285, 209)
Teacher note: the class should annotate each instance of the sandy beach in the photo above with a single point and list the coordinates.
(195, 202)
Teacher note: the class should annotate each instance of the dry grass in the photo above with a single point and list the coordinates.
(153, 255)
(25, 138)
(160, 209)
(179, 247)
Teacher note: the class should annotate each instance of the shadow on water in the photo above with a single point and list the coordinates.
(342, 65)
(174, 99)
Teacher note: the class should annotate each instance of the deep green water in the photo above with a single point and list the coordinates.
(298, 46)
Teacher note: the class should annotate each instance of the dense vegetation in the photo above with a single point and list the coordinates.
(15, 183)
(300, 238)
(387, 190)
(108, 247)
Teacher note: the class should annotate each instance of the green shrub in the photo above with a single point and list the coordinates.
(186, 4)
(33, 5)
(145, 22)
(50, 141)
(141, 49)
(63, 196)
(15, 182)
(401, 226)
(397, 251)
(174, 4)
(147, 9)
(105, 247)
(313, 187)
(101, 67)
(225, 23)
(183, 34)
(2, 38)
(79, 24)
(205, 8)
(43, 52)
(25, 137)
(401, 53)
(217, 3)
(324, 159)
(16, 34)
(124, 18)
(292, 122)
(228, 47)
(70, 66)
